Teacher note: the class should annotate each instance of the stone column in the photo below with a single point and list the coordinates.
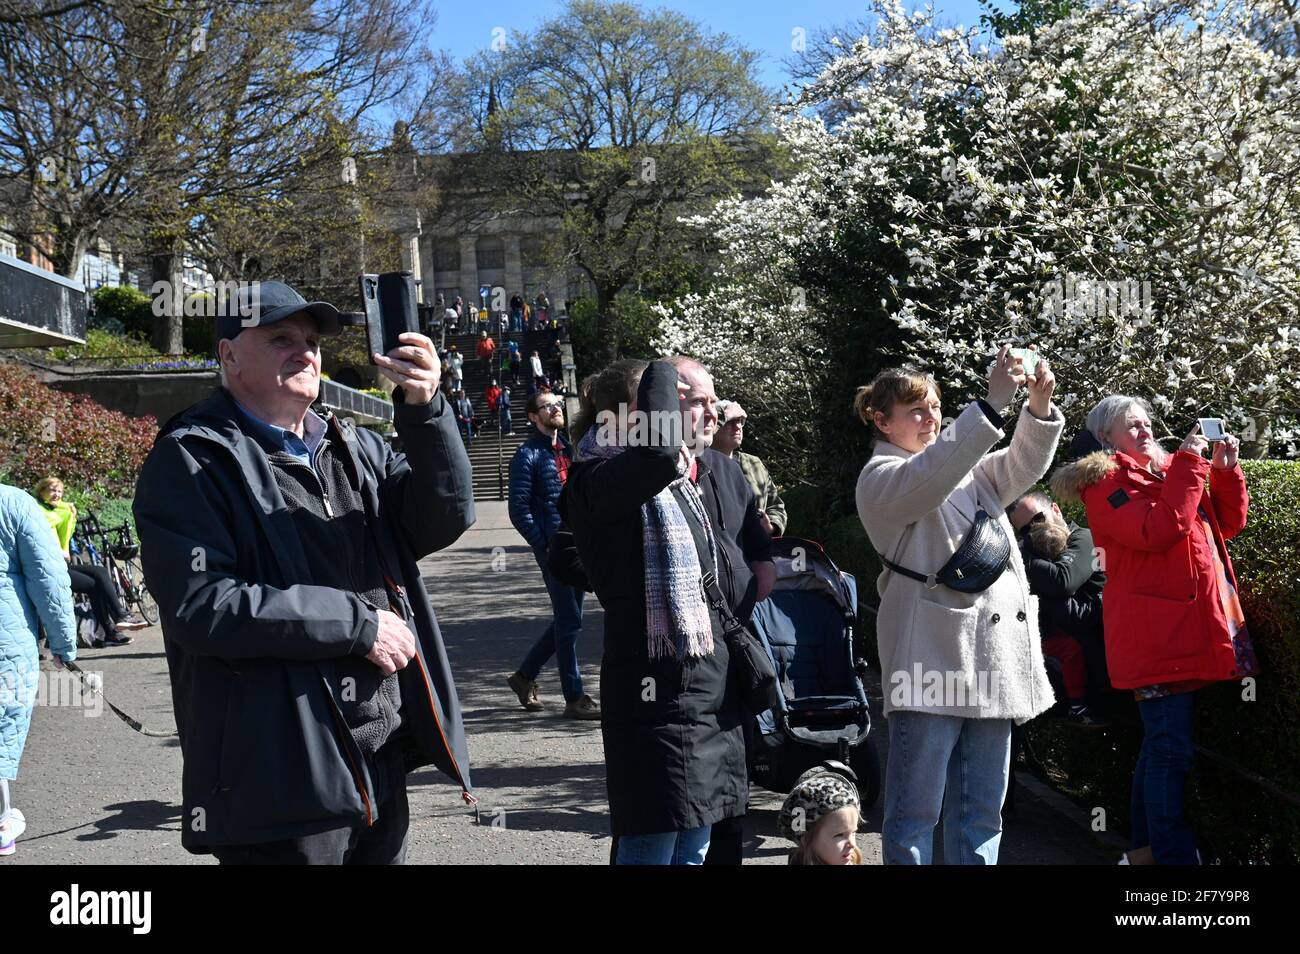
(469, 270)
(514, 267)
(428, 290)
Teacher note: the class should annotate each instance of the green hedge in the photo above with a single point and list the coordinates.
(805, 513)
(1237, 821)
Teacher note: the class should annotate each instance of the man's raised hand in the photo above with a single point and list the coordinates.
(413, 366)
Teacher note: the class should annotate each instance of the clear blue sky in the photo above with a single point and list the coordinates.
(464, 27)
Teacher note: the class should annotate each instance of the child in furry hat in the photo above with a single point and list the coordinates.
(820, 816)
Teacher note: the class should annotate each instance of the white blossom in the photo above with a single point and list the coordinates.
(1180, 169)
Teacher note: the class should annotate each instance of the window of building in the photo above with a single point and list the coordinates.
(490, 253)
(446, 257)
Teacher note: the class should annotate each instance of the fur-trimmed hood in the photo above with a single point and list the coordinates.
(1070, 480)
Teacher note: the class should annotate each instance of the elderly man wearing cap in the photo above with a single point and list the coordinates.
(308, 673)
(727, 440)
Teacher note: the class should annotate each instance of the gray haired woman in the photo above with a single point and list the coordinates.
(1173, 621)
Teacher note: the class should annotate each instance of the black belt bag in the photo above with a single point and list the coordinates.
(754, 669)
(976, 565)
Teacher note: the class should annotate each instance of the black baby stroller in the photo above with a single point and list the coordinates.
(807, 625)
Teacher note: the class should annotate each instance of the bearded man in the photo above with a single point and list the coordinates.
(1065, 574)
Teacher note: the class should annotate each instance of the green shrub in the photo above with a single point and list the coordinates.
(126, 305)
(805, 513)
(348, 349)
(1246, 822)
(105, 344)
(111, 510)
(198, 336)
(583, 334)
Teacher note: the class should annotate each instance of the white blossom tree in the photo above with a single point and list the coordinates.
(1120, 188)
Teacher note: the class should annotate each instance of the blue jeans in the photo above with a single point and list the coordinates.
(950, 766)
(669, 848)
(1162, 767)
(560, 638)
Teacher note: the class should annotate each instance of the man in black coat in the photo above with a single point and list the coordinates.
(308, 673)
(672, 727)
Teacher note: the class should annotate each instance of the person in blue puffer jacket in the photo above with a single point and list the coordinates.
(34, 591)
(537, 474)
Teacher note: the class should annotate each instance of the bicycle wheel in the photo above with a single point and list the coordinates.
(139, 594)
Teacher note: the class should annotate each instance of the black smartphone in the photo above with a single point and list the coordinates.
(374, 318)
(390, 309)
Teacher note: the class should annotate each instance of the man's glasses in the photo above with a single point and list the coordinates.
(1040, 517)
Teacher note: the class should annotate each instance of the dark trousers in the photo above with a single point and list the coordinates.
(727, 842)
(384, 843)
(96, 583)
(1157, 805)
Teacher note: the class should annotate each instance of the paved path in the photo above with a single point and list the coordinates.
(95, 792)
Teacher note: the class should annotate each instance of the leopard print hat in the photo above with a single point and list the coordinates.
(816, 793)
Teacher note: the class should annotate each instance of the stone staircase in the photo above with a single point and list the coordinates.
(490, 452)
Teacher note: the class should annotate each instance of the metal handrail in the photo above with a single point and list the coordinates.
(340, 397)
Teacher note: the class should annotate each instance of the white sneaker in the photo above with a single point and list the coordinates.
(1123, 859)
(13, 829)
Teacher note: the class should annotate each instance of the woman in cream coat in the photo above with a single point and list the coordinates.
(958, 668)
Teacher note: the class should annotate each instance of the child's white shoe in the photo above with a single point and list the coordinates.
(13, 829)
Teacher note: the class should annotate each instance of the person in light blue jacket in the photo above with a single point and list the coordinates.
(34, 590)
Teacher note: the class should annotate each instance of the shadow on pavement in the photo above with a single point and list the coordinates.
(135, 816)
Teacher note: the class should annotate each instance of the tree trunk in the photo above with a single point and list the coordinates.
(609, 327)
(69, 252)
(167, 260)
(1255, 437)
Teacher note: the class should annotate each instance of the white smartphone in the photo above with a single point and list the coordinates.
(1028, 359)
(1212, 428)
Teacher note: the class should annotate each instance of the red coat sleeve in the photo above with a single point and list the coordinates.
(1139, 522)
(1229, 499)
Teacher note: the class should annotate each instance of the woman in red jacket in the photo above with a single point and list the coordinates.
(1172, 619)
